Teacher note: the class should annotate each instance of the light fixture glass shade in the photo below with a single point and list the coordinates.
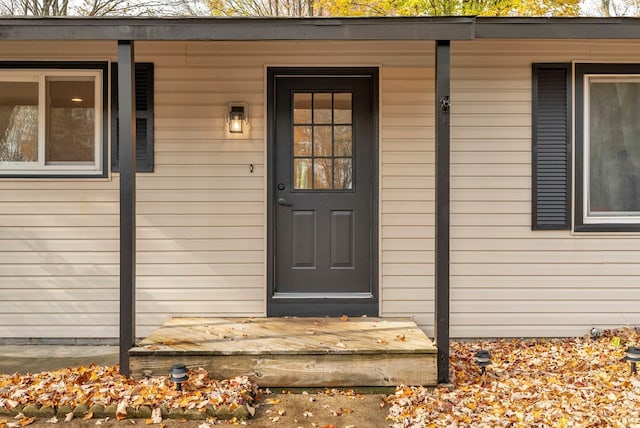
(179, 373)
(236, 120)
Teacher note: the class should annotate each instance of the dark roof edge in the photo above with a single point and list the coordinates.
(211, 28)
(351, 28)
(557, 28)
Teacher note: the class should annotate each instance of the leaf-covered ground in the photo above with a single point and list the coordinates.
(577, 382)
(78, 390)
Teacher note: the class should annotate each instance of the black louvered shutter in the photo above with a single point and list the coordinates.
(144, 117)
(551, 151)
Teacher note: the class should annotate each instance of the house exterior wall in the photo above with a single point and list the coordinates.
(201, 214)
(507, 280)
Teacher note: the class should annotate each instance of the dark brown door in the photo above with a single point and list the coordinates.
(322, 201)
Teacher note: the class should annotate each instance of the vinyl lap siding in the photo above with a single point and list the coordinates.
(508, 280)
(201, 214)
(407, 197)
(58, 238)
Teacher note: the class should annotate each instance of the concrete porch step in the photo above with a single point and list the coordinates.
(294, 352)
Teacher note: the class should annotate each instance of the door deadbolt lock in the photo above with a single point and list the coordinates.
(281, 186)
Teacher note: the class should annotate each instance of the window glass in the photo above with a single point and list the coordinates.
(302, 174)
(322, 142)
(342, 108)
(322, 173)
(18, 121)
(343, 139)
(301, 108)
(322, 108)
(71, 113)
(302, 140)
(49, 122)
(613, 129)
(342, 171)
(323, 149)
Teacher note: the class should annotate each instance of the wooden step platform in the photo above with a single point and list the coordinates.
(294, 352)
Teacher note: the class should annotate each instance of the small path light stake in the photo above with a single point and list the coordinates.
(483, 359)
(633, 356)
(178, 374)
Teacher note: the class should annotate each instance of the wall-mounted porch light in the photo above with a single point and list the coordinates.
(237, 118)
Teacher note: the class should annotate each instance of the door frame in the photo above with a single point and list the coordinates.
(331, 306)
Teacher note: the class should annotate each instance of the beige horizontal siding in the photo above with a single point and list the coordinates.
(508, 280)
(201, 218)
(407, 195)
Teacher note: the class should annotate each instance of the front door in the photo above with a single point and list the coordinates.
(323, 234)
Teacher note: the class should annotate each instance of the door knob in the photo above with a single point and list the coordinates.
(283, 201)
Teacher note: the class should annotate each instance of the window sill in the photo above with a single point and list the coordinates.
(49, 177)
(607, 227)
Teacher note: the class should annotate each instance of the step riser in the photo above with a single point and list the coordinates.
(304, 370)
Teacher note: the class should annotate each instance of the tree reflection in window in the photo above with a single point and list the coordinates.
(18, 121)
(322, 141)
(614, 146)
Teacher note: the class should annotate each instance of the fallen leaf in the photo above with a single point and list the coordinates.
(53, 420)
(121, 410)
(68, 417)
(27, 421)
(251, 410)
(87, 416)
(272, 401)
(156, 415)
(341, 345)
(307, 414)
(571, 382)
(344, 318)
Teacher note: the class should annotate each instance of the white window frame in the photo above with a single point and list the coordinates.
(57, 168)
(615, 217)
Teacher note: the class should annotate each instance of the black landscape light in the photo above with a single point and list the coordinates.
(483, 359)
(633, 356)
(178, 374)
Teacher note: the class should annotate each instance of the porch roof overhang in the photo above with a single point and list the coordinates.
(351, 28)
